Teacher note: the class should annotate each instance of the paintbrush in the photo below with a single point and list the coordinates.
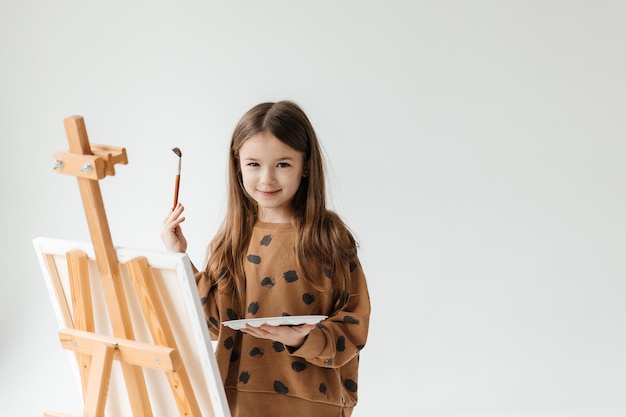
(177, 186)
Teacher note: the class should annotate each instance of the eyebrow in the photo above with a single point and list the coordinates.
(284, 158)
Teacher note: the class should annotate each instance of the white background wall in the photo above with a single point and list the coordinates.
(475, 147)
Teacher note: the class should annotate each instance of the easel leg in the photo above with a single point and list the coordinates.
(78, 270)
(99, 377)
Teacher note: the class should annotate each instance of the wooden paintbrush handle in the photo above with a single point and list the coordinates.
(176, 187)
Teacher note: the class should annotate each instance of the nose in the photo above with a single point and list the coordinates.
(267, 176)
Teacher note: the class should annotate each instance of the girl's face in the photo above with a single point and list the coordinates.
(271, 172)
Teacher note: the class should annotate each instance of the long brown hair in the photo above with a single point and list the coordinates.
(321, 237)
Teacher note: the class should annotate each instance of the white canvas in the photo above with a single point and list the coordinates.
(176, 285)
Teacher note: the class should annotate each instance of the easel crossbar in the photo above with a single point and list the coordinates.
(142, 354)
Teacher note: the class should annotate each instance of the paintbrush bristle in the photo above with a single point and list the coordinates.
(177, 152)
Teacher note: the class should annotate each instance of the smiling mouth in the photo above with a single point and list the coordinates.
(268, 193)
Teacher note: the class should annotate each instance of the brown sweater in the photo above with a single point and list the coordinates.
(324, 370)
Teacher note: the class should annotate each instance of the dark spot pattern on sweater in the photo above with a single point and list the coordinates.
(256, 352)
(234, 356)
(253, 307)
(278, 347)
(322, 388)
(232, 315)
(353, 266)
(203, 300)
(341, 344)
(280, 388)
(265, 241)
(290, 276)
(350, 384)
(308, 298)
(350, 320)
(268, 282)
(229, 343)
(254, 259)
(298, 366)
(244, 377)
(213, 321)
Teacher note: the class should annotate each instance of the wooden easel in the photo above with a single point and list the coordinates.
(95, 352)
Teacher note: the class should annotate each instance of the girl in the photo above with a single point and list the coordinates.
(281, 252)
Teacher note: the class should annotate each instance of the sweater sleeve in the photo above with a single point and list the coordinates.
(338, 339)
